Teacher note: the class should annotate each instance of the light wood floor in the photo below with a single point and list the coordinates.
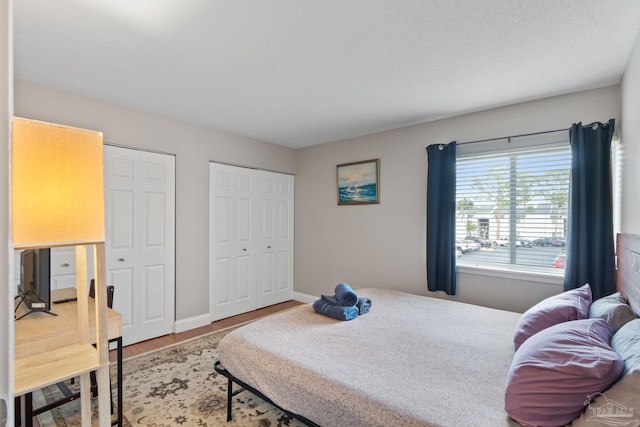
(156, 343)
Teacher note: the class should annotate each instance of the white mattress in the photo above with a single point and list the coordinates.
(410, 361)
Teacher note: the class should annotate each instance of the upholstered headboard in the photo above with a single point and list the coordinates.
(628, 269)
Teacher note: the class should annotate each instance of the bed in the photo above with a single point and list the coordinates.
(410, 361)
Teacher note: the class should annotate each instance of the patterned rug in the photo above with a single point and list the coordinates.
(176, 386)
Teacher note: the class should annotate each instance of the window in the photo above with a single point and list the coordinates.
(511, 206)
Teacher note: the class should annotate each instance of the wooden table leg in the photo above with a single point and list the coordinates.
(85, 399)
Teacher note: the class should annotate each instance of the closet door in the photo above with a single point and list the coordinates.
(232, 240)
(275, 243)
(140, 241)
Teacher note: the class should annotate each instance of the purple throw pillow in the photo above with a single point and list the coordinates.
(569, 305)
(554, 372)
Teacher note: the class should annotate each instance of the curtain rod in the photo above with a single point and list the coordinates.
(593, 125)
(508, 138)
(514, 136)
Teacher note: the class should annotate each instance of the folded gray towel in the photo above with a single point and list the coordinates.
(330, 299)
(364, 305)
(346, 295)
(336, 311)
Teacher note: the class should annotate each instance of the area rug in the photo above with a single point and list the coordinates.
(176, 386)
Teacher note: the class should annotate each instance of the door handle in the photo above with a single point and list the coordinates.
(120, 259)
(66, 264)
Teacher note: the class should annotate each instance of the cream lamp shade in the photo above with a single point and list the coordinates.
(57, 193)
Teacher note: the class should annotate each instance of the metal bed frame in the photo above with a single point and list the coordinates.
(245, 387)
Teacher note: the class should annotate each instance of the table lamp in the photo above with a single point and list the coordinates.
(57, 192)
(57, 199)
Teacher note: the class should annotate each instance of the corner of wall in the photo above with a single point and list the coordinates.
(630, 141)
(6, 112)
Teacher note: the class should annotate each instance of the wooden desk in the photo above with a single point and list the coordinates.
(48, 350)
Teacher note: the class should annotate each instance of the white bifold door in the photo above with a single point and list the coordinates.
(250, 239)
(140, 240)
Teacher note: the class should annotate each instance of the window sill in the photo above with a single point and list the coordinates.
(511, 274)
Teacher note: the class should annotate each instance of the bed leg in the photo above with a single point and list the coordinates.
(229, 397)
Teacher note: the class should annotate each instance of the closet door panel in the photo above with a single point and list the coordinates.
(154, 285)
(120, 220)
(123, 298)
(275, 281)
(140, 244)
(232, 228)
(251, 239)
(244, 285)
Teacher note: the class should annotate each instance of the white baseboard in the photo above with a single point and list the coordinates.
(205, 319)
(306, 298)
(192, 323)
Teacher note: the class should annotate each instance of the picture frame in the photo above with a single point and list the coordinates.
(358, 183)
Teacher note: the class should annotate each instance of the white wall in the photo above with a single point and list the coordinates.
(630, 141)
(6, 295)
(193, 146)
(384, 245)
(380, 245)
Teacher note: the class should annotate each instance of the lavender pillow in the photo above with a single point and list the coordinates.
(569, 305)
(624, 393)
(554, 371)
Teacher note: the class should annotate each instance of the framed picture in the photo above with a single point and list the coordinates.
(359, 183)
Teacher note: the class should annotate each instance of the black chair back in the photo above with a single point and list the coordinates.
(110, 290)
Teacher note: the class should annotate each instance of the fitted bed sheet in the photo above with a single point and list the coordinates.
(410, 361)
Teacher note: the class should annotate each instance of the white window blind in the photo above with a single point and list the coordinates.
(511, 208)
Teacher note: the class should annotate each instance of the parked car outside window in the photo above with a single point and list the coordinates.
(524, 242)
(543, 241)
(503, 241)
(559, 241)
(484, 243)
(464, 246)
(550, 241)
(560, 261)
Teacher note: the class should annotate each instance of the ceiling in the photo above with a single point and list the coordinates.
(303, 72)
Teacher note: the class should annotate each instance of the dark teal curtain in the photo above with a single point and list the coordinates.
(441, 218)
(590, 254)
